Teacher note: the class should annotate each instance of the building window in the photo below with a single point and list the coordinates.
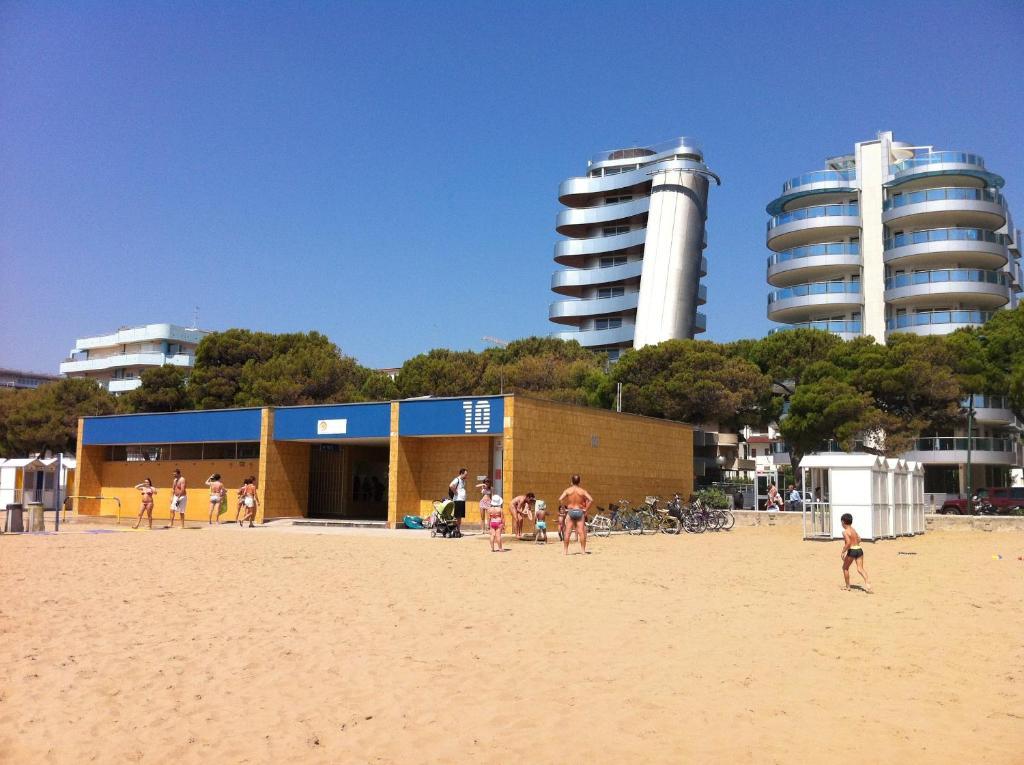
(617, 200)
(242, 450)
(618, 260)
(614, 230)
(614, 353)
(608, 323)
(610, 292)
(941, 479)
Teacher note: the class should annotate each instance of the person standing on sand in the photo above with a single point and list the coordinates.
(852, 552)
(496, 521)
(250, 501)
(147, 491)
(241, 503)
(540, 510)
(457, 490)
(521, 507)
(217, 492)
(179, 498)
(485, 502)
(576, 500)
(774, 498)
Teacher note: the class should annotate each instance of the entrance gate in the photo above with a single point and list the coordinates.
(327, 481)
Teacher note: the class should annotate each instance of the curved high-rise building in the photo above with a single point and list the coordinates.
(633, 259)
(903, 238)
(892, 238)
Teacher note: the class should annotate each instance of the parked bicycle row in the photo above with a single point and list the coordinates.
(653, 516)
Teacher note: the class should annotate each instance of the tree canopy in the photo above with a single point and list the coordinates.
(46, 418)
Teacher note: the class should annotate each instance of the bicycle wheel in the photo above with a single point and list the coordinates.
(694, 523)
(633, 524)
(730, 520)
(670, 525)
(717, 520)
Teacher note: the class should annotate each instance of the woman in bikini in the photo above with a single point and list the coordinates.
(250, 501)
(496, 520)
(217, 492)
(147, 491)
(241, 504)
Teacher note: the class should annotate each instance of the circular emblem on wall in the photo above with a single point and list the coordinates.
(323, 426)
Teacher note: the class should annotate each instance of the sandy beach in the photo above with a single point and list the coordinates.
(264, 645)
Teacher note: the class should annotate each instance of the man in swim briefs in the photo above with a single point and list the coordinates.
(179, 499)
(576, 500)
(521, 507)
(540, 510)
(852, 552)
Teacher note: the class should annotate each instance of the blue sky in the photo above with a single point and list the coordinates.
(386, 173)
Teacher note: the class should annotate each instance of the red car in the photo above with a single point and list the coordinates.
(1002, 498)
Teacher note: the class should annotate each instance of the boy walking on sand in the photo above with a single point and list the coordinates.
(852, 552)
(540, 511)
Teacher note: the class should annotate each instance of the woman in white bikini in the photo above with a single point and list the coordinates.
(496, 520)
(217, 492)
(147, 491)
(250, 501)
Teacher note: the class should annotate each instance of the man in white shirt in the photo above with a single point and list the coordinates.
(794, 498)
(458, 492)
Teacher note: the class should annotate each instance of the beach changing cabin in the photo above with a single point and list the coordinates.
(915, 497)
(857, 484)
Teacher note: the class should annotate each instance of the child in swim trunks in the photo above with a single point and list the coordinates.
(540, 510)
(852, 551)
(495, 520)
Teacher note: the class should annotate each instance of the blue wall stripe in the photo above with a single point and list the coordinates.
(361, 421)
(173, 428)
(482, 415)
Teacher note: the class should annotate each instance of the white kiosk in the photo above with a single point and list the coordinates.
(857, 484)
(899, 501)
(915, 497)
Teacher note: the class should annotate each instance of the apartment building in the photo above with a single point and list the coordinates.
(116, 361)
(633, 253)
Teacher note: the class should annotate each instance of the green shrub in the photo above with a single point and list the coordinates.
(715, 498)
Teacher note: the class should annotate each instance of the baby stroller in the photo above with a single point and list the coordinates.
(444, 519)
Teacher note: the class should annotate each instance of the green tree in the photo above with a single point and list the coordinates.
(826, 408)
(47, 417)
(694, 381)
(1003, 340)
(441, 372)
(163, 389)
(243, 368)
(378, 387)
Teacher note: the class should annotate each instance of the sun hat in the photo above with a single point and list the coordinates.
(496, 500)
(540, 505)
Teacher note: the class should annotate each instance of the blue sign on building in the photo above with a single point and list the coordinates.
(484, 415)
(173, 427)
(333, 421)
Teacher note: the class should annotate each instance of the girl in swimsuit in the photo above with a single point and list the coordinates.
(496, 520)
(485, 501)
(147, 491)
(216, 497)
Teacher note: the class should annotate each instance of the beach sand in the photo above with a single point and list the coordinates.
(262, 645)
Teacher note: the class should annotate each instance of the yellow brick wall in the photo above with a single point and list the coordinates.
(634, 456)
(120, 478)
(88, 474)
(422, 468)
(283, 475)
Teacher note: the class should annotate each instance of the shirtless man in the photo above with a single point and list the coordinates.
(521, 507)
(576, 500)
(250, 500)
(852, 552)
(179, 499)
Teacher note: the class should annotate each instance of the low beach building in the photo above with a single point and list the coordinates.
(381, 461)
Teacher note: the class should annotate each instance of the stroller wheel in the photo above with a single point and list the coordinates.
(433, 532)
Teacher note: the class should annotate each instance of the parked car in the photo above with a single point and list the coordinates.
(1003, 499)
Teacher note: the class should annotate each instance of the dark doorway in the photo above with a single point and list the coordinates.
(348, 482)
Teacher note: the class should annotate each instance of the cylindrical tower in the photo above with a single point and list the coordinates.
(634, 257)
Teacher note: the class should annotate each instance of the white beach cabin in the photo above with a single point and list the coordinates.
(857, 484)
(915, 497)
(899, 501)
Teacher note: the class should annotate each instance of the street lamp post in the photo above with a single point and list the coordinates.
(970, 432)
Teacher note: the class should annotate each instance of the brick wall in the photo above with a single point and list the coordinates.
(283, 474)
(422, 468)
(619, 456)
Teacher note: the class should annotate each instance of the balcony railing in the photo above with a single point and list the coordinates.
(982, 401)
(938, 158)
(944, 235)
(851, 209)
(924, 318)
(852, 326)
(819, 176)
(943, 194)
(814, 250)
(959, 443)
(814, 288)
(946, 275)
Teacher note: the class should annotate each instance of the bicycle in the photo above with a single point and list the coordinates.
(656, 519)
